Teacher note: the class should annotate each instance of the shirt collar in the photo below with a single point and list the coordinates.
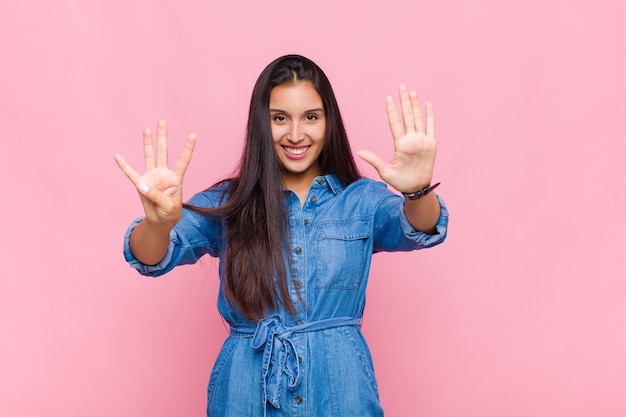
(333, 183)
(335, 186)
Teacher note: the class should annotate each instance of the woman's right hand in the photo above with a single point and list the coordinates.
(160, 188)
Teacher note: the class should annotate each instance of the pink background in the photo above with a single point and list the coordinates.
(522, 312)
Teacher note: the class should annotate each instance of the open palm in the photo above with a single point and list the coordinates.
(411, 166)
(160, 188)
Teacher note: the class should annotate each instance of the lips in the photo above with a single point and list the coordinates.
(296, 153)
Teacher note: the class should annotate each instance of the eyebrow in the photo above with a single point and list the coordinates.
(318, 109)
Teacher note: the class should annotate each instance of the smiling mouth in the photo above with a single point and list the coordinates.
(296, 151)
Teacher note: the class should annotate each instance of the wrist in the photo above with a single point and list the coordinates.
(156, 228)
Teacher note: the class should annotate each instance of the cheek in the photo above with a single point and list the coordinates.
(321, 133)
(276, 134)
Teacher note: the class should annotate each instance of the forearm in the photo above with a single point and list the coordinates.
(423, 214)
(149, 242)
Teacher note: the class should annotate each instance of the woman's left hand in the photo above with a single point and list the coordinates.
(413, 160)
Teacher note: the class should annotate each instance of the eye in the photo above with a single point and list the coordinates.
(279, 118)
(311, 117)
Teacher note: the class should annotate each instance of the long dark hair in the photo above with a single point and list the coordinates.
(254, 211)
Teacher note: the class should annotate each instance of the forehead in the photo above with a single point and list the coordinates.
(298, 95)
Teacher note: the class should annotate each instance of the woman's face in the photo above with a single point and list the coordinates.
(298, 129)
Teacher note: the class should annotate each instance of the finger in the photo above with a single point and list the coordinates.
(373, 159)
(156, 197)
(148, 150)
(407, 109)
(132, 175)
(430, 120)
(185, 156)
(162, 144)
(397, 131)
(417, 111)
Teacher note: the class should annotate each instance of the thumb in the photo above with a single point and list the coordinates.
(156, 197)
(372, 159)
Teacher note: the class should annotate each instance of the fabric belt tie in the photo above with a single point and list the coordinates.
(279, 352)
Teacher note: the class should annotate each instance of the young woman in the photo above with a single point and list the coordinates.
(295, 231)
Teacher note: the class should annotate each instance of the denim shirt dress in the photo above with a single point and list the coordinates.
(316, 362)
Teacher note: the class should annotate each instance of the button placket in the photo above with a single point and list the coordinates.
(298, 260)
(298, 406)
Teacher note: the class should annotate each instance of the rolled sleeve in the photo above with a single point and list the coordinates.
(193, 236)
(425, 240)
(162, 267)
(393, 232)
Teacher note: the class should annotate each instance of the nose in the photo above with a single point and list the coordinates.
(296, 133)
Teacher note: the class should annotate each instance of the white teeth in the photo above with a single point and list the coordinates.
(296, 151)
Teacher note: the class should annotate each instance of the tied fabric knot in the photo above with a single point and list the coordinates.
(279, 353)
(279, 356)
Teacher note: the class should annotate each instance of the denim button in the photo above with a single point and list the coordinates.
(298, 250)
(306, 221)
(298, 399)
(313, 198)
(297, 284)
(320, 181)
(300, 359)
(298, 323)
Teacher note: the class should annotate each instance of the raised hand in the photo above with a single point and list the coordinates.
(159, 187)
(411, 166)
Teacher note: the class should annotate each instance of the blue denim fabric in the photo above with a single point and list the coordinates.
(315, 363)
(279, 353)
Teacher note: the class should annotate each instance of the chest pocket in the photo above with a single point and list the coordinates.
(342, 253)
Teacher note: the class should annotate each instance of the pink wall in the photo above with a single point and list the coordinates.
(521, 313)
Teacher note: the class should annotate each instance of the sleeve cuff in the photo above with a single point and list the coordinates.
(423, 239)
(149, 270)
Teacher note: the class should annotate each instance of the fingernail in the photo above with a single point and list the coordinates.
(143, 187)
